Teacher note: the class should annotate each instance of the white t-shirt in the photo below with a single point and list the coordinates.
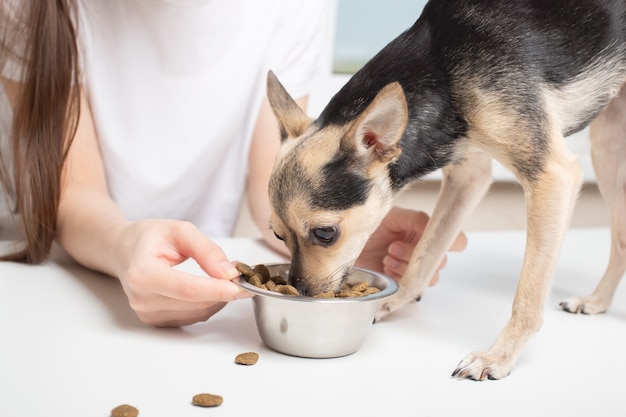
(175, 87)
(8, 215)
(9, 69)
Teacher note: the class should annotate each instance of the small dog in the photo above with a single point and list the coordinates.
(471, 80)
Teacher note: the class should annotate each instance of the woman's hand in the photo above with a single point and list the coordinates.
(95, 232)
(390, 247)
(162, 295)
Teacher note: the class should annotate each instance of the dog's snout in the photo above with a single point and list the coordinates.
(295, 278)
(307, 285)
(302, 288)
(302, 285)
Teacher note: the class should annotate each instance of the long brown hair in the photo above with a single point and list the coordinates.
(45, 114)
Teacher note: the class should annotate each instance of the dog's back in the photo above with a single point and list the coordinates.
(473, 67)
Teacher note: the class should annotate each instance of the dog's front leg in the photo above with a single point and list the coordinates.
(549, 201)
(462, 188)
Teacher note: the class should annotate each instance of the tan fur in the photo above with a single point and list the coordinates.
(387, 114)
(548, 217)
(355, 232)
(514, 140)
(576, 100)
(325, 141)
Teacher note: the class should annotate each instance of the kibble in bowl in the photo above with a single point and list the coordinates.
(315, 327)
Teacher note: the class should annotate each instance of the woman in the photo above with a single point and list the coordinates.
(137, 128)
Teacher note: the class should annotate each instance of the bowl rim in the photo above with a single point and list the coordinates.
(392, 288)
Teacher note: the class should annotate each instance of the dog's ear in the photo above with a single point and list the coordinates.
(380, 126)
(293, 121)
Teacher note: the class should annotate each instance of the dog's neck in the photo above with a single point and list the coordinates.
(433, 123)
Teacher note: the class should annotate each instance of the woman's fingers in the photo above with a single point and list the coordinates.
(460, 243)
(179, 285)
(397, 260)
(189, 241)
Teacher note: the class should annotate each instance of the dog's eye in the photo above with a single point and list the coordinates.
(325, 235)
(277, 237)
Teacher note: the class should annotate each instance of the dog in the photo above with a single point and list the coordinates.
(470, 81)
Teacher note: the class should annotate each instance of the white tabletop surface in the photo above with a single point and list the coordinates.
(72, 347)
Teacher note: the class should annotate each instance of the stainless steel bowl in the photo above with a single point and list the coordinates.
(317, 327)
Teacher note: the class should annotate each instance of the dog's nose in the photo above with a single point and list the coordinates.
(297, 278)
(300, 284)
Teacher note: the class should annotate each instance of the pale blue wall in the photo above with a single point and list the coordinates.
(366, 26)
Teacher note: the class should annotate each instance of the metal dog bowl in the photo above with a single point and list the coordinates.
(317, 327)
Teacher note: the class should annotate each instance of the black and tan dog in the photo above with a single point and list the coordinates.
(471, 80)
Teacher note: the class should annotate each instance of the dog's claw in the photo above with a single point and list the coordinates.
(394, 303)
(464, 373)
(383, 311)
(585, 305)
(479, 367)
(566, 307)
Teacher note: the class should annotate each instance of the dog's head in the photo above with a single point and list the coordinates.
(330, 185)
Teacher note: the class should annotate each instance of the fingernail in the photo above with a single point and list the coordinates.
(390, 262)
(396, 250)
(243, 294)
(229, 270)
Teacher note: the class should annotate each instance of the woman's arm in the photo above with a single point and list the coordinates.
(94, 231)
(89, 222)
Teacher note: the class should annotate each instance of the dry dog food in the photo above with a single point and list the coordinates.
(260, 277)
(200, 400)
(207, 400)
(124, 410)
(247, 358)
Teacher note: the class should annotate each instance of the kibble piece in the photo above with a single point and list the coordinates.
(207, 400)
(247, 358)
(370, 290)
(360, 287)
(278, 280)
(262, 270)
(255, 280)
(287, 289)
(327, 294)
(124, 410)
(244, 269)
(349, 294)
(270, 285)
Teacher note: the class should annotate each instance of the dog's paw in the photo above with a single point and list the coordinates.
(393, 303)
(479, 366)
(584, 305)
(384, 310)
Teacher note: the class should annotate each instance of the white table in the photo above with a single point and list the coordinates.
(71, 346)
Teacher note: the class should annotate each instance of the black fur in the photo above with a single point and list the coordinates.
(503, 46)
(337, 188)
(341, 187)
